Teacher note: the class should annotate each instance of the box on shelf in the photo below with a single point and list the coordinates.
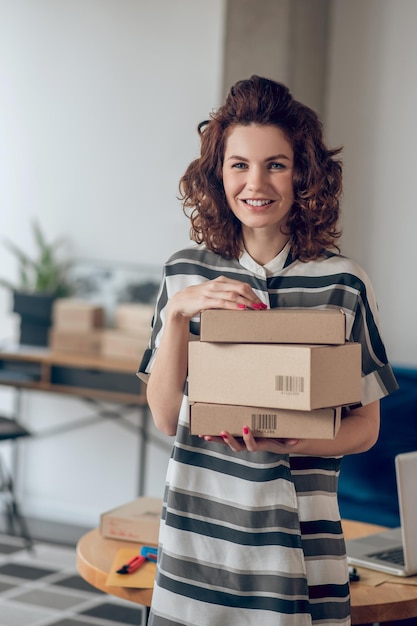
(137, 521)
(301, 377)
(211, 419)
(119, 343)
(72, 341)
(134, 317)
(311, 326)
(78, 315)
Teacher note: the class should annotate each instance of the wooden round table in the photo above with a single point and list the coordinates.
(384, 603)
(95, 557)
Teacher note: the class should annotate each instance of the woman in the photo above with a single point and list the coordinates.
(251, 530)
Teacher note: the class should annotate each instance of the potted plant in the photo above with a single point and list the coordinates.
(41, 280)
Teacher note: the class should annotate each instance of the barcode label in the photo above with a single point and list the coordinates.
(264, 421)
(292, 385)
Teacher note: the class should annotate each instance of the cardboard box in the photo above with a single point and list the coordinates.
(77, 315)
(71, 341)
(118, 343)
(211, 419)
(310, 326)
(134, 317)
(135, 521)
(301, 377)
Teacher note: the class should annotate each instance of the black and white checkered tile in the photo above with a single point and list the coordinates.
(42, 588)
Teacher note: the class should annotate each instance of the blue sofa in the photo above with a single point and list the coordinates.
(367, 484)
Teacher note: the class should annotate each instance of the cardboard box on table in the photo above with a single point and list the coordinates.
(308, 326)
(297, 377)
(211, 419)
(137, 521)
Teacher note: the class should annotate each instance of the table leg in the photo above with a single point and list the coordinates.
(143, 446)
(17, 412)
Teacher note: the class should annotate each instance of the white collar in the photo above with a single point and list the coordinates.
(274, 265)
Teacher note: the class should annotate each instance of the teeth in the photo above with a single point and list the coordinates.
(257, 202)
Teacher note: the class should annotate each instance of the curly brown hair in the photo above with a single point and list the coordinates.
(312, 222)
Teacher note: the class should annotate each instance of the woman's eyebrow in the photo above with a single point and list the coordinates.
(236, 157)
(275, 157)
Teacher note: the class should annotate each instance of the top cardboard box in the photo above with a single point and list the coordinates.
(73, 314)
(301, 326)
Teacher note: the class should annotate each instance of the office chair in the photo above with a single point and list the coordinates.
(11, 430)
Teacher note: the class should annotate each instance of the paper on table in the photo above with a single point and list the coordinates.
(143, 578)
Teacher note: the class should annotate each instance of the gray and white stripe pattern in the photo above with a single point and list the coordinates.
(255, 538)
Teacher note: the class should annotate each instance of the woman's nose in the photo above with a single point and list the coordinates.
(255, 179)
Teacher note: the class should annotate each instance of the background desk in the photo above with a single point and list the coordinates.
(95, 379)
(385, 603)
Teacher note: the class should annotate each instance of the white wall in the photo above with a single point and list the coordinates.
(99, 104)
(371, 105)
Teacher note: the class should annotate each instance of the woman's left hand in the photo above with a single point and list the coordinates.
(258, 444)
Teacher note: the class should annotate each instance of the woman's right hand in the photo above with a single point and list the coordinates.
(219, 293)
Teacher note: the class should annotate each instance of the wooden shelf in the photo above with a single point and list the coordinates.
(82, 375)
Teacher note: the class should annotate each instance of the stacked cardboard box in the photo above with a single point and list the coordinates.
(76, 326)
(284, 373)
(131, 331)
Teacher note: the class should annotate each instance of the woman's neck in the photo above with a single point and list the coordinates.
(263, 247)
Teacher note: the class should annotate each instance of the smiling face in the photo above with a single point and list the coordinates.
(258, 177)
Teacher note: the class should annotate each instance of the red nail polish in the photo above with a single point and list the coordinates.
(256, 305)
(241, 306)
(264, 306)
(224, 435)
(246, 430)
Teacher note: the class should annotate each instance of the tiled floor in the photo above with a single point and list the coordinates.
(43, 588)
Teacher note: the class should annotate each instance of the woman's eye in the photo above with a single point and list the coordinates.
(239, 166)
(276, 166)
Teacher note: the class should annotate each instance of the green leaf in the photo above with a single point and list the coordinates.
(45, 273)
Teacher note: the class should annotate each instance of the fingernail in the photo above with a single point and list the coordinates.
(264, 306)
(246, 430)
(242, 306)
(224, 435)
(256, 305)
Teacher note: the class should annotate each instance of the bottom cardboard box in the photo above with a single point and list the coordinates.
(211, 419)
(118, 343)
(137, 521)
(73, 341)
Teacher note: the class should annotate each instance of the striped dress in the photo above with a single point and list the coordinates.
(255, 539)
